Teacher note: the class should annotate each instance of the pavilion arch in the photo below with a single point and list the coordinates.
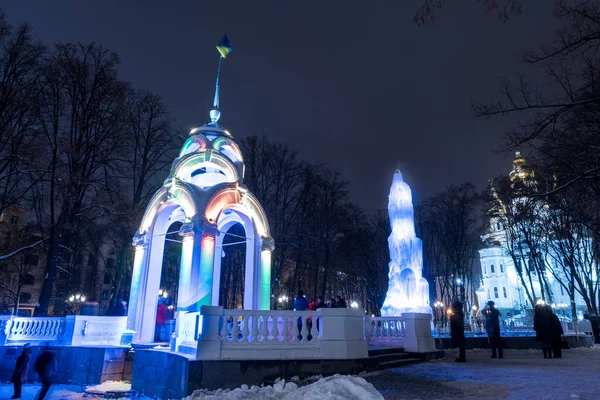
(206, 169)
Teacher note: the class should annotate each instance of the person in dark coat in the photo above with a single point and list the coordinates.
(45, 367)
(492, 327)
(543, 329)
(556, 332)
(19, 376)
(457, 329)
(339, 302)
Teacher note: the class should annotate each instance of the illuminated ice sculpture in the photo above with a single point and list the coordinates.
(408, 291)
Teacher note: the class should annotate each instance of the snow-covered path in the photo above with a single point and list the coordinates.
(522, 374)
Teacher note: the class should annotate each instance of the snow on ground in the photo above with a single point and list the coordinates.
(110, 386)
(522, 374)
(66, 392)
(337, 387)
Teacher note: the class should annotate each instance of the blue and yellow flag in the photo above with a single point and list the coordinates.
(224, 47)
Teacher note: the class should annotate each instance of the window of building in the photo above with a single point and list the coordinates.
(25, 298)
(530, 266)
(107, 279)
(28, 279)
(562, 292)
(498, 227)
(504, 292)
(14, 220)
(31, 259)
(492, 268)
(104, 295)
(501, 268)
(489, 297)
(484, 271)
(496, 292)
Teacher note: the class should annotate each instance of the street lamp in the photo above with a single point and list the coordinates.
(354, 304)
(75, 302)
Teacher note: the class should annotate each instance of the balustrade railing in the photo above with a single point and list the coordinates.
(241, 326)
(71, 330)
(36, 329)
(385, 329)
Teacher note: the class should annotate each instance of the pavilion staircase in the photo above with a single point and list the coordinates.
(384, 358)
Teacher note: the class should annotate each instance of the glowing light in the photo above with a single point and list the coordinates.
(265, 280)
(354, 304)
(408, 291)
(458, 281)
(207, 254)
(540, 302)
(193, 144)
(474, 308)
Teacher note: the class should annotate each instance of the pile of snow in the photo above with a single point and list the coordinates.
(114, 387)
(337, 387)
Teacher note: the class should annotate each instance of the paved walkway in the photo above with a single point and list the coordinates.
(522, 374)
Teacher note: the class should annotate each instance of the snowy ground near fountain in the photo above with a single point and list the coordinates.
(521, 374)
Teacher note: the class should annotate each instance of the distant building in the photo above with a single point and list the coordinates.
(500, 280)
(22, 275)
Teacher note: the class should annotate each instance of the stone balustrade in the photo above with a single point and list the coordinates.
(256, 334)
(385, 331)
(73, 330)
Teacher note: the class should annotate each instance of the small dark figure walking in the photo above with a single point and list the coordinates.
(19, 377)
(542, 328)
(45, 367)
(457, 329)
(492, 327)
(556, 332)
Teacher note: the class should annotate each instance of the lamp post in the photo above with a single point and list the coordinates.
(439, 307)
(75, 302)
(283, 300)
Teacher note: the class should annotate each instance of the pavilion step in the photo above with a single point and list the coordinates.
(386, 350)
(381, 358)
(399, 363)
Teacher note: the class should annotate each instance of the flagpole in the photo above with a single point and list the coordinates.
(216, 102)
(215, 114)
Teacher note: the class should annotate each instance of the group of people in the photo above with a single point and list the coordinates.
(547, 327)
(44, 366)
(301, 304)
(548, 331)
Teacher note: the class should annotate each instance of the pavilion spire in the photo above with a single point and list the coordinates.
(224, 48)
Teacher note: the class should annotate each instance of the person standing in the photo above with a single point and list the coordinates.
(19, 376)
(556, 332)
(542, 328)
(339, 302)
(45, 367)
(457, 329)
(161, 320)
(492, 327)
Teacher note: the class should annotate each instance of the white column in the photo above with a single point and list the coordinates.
(135, 305)
(197, 261)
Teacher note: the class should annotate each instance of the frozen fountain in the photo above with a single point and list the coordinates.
(408, 291)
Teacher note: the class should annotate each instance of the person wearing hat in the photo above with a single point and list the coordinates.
(492, 326)
(19, 376)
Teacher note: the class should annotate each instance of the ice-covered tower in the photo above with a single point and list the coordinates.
(408, 291)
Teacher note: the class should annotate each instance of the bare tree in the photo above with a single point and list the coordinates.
(451, 227)
(81, 113)
(19, 67)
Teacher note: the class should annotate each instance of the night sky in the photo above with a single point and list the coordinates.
(355, 84)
